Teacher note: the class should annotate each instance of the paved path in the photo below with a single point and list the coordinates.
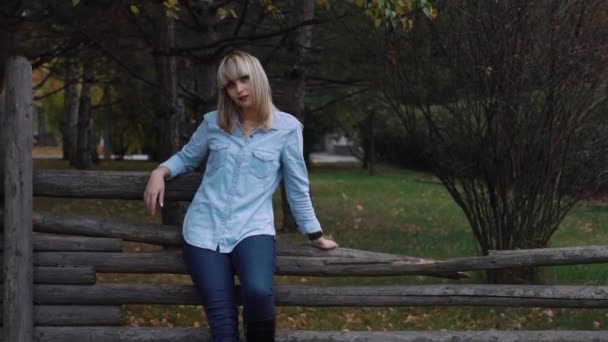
(320, 158)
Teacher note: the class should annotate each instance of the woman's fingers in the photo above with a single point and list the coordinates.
(325, 244)
(150, 198)
(329, 245)
(150, 203)
(154, 193)
(156, 198)
(146, 195)
(161, 196)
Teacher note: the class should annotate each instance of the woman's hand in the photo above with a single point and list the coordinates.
(324, 243)
(155, 189)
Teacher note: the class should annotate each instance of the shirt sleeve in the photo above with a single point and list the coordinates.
(192, 154)
(297, 185)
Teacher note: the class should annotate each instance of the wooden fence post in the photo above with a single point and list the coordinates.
(18, 268)
(2, 147)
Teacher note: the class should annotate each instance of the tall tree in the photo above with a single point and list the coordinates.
(82, 159)
(10, 24)
(107, 122)
(295, 87)
(207, 61)
(70, 101)
(167, 113)
(299, 47)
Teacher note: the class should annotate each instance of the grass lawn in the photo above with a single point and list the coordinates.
(396, 211)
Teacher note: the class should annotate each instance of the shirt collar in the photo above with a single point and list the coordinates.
(274, 125)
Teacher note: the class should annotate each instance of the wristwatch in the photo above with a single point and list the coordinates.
(315, 235)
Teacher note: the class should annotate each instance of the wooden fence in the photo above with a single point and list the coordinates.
(51, 293)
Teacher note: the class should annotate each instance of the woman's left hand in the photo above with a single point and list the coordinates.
(324, 243)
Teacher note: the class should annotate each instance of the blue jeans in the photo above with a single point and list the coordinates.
(253, 261)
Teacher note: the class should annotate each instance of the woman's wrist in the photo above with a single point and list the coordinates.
(163, 171)
(315, 235)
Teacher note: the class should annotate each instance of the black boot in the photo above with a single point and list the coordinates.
(260, 331)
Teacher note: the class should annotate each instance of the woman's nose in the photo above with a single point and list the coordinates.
(240, 86)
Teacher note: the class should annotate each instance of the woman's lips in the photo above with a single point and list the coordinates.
(243, 98)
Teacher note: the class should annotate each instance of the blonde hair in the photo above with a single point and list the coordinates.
(234, 66)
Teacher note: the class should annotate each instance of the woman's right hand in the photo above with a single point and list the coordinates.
(324, 243)
(155, 189)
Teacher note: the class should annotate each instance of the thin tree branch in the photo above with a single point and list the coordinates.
(249, 38)
(337, 100)
(49, 94)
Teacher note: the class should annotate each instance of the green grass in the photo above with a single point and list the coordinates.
(396, 211)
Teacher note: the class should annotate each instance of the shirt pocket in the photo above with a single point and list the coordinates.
(217, 155)
(263, 163)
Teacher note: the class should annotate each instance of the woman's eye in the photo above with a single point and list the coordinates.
(230, 85)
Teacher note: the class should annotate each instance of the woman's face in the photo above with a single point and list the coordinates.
(239, 91)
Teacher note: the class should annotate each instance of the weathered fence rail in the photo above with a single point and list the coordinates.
(126, 185)
(61, 274)
(171, 262)
(49, 243)
(105, 334)
(77, 315)
(331, 263)
(565, 296)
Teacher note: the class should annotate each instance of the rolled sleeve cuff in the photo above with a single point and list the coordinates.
(174, 165)
(310, 227)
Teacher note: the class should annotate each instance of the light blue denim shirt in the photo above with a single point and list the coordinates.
(234, 200)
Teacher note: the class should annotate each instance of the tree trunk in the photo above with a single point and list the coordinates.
(288, 222)
(205, 74)
(107, 123)
(167, 114)
(296, 75)
(205, 78)
(167, 111)
(206, 87)
(70, 105)
(93, 140)
(7, 42)
(371, 150)
(173, 212)
(296, 87)
(3, 145)
(41, 127)
(8, 30)
(82, 158)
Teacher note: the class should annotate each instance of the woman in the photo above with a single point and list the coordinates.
(229, 226)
